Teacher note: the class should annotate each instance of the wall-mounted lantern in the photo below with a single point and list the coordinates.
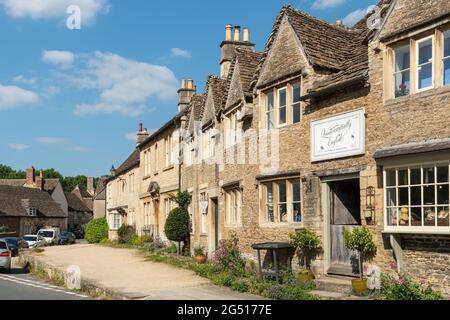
(370, 204)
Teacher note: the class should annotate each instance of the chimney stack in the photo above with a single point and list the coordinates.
(185, 93)
(228, 32)
(90, 185)
(229, 45)
(30, 176)
(237, 34)
(113, 171)
(40, 181)
(141, 136)
(246, 35)
(339, 23)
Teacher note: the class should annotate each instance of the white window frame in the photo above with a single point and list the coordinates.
(444, 58)
(116, 220)
(272, 111)
(204, 215)
(414, 229)
(394, 72)
(234, 205)
(278, 107)
(294, 104)
(418, 42)
(32, 212)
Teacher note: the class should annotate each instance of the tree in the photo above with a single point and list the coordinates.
(360, 239)
(177, 224)
(307, 242)
(7, 172)
(97, 230)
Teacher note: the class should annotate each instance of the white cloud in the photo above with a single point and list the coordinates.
(12, 97)
(78, 149)
(124, 85)
(51, 140)
(45, 9)
(177, 52)
(131, 136)
(124, 110)
(18, 146)
(354, 16)
(24, 80)
(60, 58)
(326, 4)
(51, 91)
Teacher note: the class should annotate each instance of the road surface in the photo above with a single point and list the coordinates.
(21, 286)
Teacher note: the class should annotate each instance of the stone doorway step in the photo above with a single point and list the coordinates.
(335, 288)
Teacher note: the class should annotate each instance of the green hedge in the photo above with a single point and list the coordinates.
(97, 230)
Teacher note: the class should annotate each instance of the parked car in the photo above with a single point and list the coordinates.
(5, 256)
(51, 236)
(79, 234)
(15, 244)
(67, 237)
(35, 241)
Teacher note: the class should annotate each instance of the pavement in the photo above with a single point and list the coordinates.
(18, 285)
(127, 273)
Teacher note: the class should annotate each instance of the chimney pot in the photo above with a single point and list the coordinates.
(228, 32)
(140, 127)
(237, 33)
(339, 23)
(246, 36)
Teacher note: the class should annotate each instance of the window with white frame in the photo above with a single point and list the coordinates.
(116, 220)
(187, 153)
(169, 151)
(203, 213)
(131, 182)
(233, 206)
(282, 201)
(270, 111)
(208, 143)
(168, 206)
(282, 114)
(401, 70)
(417, 197)
(147, 162)
(32, 212)
(147, 214)
(156, 158)
(232, 129)
(446, 58)
(296, 104)
(424, 63)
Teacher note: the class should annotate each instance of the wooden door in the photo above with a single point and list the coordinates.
(345, 214)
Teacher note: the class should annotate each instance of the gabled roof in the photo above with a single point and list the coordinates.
(407, 15)
(49, 184)
(248, 62)
(82, 192)
(217, 88)
(101, 185)
(75, 204)
(14, 201)
(195, 110)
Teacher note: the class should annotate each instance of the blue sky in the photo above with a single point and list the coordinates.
(72, 99)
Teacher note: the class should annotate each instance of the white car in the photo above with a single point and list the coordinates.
(5, 256)
(34, 240)
(51, 236)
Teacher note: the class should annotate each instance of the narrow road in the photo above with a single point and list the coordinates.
(21, 286)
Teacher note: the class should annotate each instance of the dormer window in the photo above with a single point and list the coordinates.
(446, 58)
(401, 71)
(32, 212)
(425, 49)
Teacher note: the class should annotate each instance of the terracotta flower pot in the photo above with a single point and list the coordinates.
(360, 286)
(200, 259)
(305, 276)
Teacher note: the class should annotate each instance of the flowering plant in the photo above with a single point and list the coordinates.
(227, 257)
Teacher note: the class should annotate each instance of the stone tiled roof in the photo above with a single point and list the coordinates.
(413, 148)
(14, 201)
(75, 204)
(49, 184)
(408, 14)
(82, 192)
(101, 185)
(131, 162)
(217, 86)
(195, 110)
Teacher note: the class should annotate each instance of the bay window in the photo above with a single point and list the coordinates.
(417, 197)
(402, 71)
(446, 58)
(424, 63)
(282, 201)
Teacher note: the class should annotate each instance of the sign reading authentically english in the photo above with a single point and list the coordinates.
(339, 136)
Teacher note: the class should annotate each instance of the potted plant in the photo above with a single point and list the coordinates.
(360, 240)
(307, 243)
(199, 253)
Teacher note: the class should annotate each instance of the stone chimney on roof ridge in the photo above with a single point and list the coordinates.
(185, 93)
(141, 135)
